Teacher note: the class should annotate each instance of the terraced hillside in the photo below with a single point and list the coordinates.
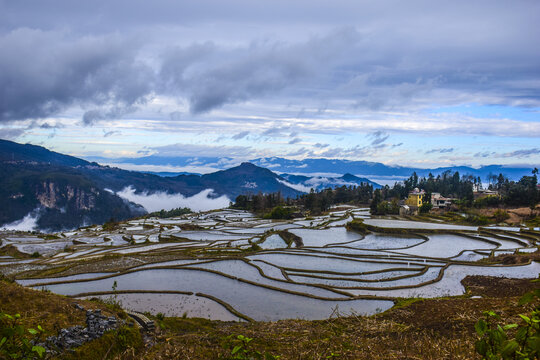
(229, 265)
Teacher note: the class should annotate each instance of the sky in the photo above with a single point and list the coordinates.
(412, 83)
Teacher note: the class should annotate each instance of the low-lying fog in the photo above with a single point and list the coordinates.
(161, 200)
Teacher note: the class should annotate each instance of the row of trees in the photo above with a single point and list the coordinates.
(386, 200)
(509, 193)
(315, 202)
(448, 184)
(516, 193)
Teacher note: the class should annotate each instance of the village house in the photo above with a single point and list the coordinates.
(438, 201)
(416, 198)
(479, 192)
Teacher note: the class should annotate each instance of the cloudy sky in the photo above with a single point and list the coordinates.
(417, 83)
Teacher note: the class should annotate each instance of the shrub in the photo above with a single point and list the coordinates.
(241, 348)
(479, 220)
(495, 342)
(17, 342)
(500, 215)
(387, 208)
(280, 212)
(425, 208)
(358, 226)
(488, 201)
(164, 214)
(112, 343)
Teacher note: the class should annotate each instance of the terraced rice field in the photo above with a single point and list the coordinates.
(230, 265)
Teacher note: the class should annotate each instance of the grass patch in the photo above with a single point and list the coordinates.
(10, 250)
(53, 312)
(125, 340)
(49, 237)
(358, 226)
(404, 302)
(181, 325)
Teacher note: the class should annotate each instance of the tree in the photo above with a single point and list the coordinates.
(377, 198)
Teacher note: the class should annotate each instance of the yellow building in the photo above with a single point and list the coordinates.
(416, 198)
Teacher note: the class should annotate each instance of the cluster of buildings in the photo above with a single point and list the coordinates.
(417, 198)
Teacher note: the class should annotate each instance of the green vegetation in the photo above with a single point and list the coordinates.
(479, 220)
(448, 184)
(125, 340)
(425, 208)
(510, 193)
(18, 342)
(500, 215)
(290, 238)
(313, 203)
(164, 214)
(510, 341)
(280, 212)
(242, 349)
(533, 222)
(111, 225)
(49, 237)
(521, 193)
(379, 206)
(358, 226)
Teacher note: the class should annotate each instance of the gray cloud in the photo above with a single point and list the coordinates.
(279, 131)
(238, 152)
(240, 135)
(334, 152)
(111, 133)
(440, 150)
(295, 141)
(378, 137)
(389, 55)
(485, 154)
(10, 134)
(90, 117)
(175, 115)
(43, 72)
(522, 153)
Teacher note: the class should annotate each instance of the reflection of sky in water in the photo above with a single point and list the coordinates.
(332, 253)
(256, 302)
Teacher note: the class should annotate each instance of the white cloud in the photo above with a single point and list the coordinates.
(28, 223)
(298, 187)
(161, 200)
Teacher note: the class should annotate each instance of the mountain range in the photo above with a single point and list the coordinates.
(59, 191)
(63, 192)
(325, 167)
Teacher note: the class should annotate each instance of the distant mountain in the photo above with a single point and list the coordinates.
(12, 151)
(66, 192)
(62, 191)
(324, 167)
(59, 197)
(379, 170)
(177, 161)
(169, 173)
(305, 183)
(247, 178)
